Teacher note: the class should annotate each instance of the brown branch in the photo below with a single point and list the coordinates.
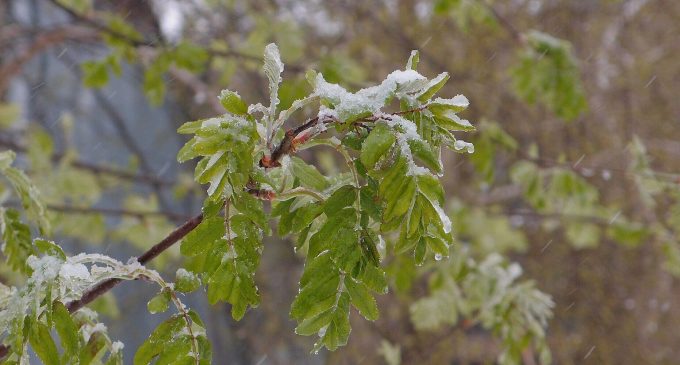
(297, 136)
(92, 23)
(287, 144)
(103, 287)
(147, 256)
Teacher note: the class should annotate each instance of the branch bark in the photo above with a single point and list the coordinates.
(103, 287)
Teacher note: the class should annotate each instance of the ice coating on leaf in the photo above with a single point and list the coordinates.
(460, 145)
(182, 274)
(116, 346)
(346, 104)
(404, 76)
(381, 246)
(273, 67)
(65, 280)
(406, 130)
(371, 99)
(406, 127)
(44, 268)
(297, 105)
(214, 158)
(212, 122)
(74, 271)
(89, 330)
(432, 87)
(257, 108)
(408, 81)
(446, 221)
(458, 101)
(413, 60)
(462, 122)
(327, 113)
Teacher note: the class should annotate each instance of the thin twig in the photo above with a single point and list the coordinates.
(41, 42)
(515, 34)
(93, 23)
(115, 212)
(97, 169)
(69, 209)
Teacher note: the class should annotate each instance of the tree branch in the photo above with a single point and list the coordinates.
(93, 23)
(299, 135)
(147, 256)
(41, 42)
(103, 287)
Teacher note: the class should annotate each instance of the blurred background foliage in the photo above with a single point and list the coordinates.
(574, 174)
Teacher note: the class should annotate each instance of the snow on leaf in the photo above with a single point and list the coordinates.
(273, 67)
(460, 145)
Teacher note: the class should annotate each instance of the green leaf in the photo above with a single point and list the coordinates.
(318, 287)
(49, 248)
(433, 86)
(191, 127)
(374, 278)
(547, 72)
(273, 67)
(30, 198)
(154, 85)
(9, 113)
(399, 200)
(16, 238)
(438, 246)
(631, 234)
(455, 104)
(231, 266)
(252, 208)
(312, 325)
(186, 281)
(376, 145)
(308, 175)
(42, 343)
(421, 150)
(282, 209)
(66, 328)
(362, 299)
(447, 119)
(231, 101)
(338, 329)
(341, 198)
(190, 56)
(95, 74)
(161, 337)
(237, 289)
(159, 303)
(413, 59)
(201, 238)
(303, 216)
